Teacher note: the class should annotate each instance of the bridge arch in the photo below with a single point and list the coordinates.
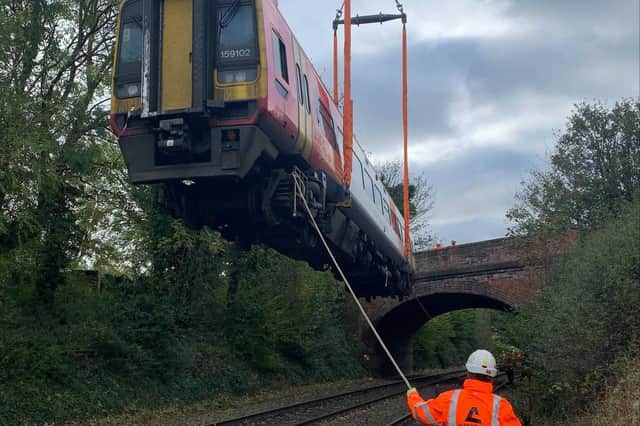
(399, 325)
(496, 274)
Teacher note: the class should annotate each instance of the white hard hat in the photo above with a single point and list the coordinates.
(482, 362)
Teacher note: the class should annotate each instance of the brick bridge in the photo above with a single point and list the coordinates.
(496, 274)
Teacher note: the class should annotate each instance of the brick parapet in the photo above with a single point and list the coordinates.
(483, 254)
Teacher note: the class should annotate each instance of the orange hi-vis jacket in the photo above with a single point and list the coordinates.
(474, 405)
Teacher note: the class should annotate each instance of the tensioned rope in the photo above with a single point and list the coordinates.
(405, 134)
(346, 281)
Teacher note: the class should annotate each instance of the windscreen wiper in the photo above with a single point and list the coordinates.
(230, 14)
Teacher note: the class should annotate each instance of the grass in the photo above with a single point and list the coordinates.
(621, 405)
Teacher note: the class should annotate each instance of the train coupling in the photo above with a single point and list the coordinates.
(173, 136)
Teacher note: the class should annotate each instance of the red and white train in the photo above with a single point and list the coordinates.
(217, 101)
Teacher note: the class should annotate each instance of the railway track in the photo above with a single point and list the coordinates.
(319, 409)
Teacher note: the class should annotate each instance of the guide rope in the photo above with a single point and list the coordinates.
(405, 133)
(298, 185)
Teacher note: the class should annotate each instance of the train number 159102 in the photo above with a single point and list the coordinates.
(235, 53)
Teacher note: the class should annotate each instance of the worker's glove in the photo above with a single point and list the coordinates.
(410, 391)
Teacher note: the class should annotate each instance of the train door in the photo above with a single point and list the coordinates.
(305, 120)
(177, 18)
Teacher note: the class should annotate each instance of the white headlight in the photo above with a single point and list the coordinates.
(237, 76)
(226, 77)
(133, 90)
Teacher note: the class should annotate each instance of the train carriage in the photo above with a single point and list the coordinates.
(216, 101)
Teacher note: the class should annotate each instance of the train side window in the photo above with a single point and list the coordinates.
(361, 169)
(385, 210)
(280, 56)
(299, 79)
(394, 223)
(380, 198)
(306, 94)
(373, 191)
(328, 125)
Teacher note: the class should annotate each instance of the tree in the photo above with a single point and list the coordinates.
(594, 166)
(421, 199)
(55, 61)
(587, 317)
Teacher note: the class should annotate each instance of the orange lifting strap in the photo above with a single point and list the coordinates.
(348, 102)
(347, 143)
(335, 65)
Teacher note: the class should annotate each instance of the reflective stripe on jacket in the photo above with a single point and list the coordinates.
(474, 405)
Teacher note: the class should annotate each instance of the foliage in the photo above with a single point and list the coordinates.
(588, 315)
(584, 323)
(448, 339)
(585, 319)
(622, 402)
(55, 63)
(103, 348)
(286, 317)
(421, 199)
(594, 166)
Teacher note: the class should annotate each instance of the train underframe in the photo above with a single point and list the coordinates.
(271, 212)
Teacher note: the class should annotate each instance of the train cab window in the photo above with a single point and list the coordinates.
(280, 56)
(129, 51)
(131, 39)
(237, 34)
(299, 80)
(306, 94)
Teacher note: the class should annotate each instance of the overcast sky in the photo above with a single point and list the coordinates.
(490, 82)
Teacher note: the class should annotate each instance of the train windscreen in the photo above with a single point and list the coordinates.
(237, 42)
(128, 72)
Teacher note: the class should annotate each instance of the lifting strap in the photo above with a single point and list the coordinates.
(347, 110)
(335, 65)
(347, 143)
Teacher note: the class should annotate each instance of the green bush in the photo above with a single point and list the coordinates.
(587, 316)
(150, 341)
(448, 339)
(284, 319)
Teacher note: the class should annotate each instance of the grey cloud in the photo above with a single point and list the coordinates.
(471, 230)
(577, 13)
(569, 51)
(569, 67)
(378, 96)
(477, 186)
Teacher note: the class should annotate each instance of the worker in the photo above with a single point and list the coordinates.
(473, 405)
(506, 364)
